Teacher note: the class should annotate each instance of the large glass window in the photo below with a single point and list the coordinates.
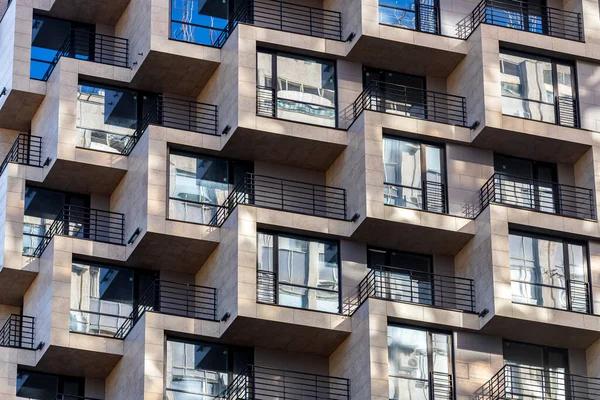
(538, 88)
(525, 16)
(196, 370)
(549, 272)
(396, 93)
(42, 206)
(296, 88)
(101, 298)
(413, 175)
(420, 15)
(535, 371)
(107, 116)
(199, 21)
(40, 386)
(48, 35)
(419, 359)
(199, 184)
(299, 272)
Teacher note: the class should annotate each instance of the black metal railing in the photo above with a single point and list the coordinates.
(405, 285)
(18, 331)
(283, 194)
(90, 46)
(256, 382)
(541, 196)
(519, 382)
(177, 114)
(173, 298)
(407, 101)
(572, 296)
(430, 197)
(524, 16)
(26, 150)
(85, 223)
(286, 17)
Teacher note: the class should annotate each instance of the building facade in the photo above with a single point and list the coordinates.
(309, 199)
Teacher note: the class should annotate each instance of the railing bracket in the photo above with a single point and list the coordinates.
(483, 313)
(226, 130)
(40, 346)
(350, 37)
(355, 217)
(226, 316)
(47, 162)
(134, 236)
(474, 125)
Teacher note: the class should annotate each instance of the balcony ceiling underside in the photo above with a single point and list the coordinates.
(531, 146)
(282, 336)
(18, 110)
(523, 330)
(80, 177)
(104, 12)
(405, 57)
(412, 236)
(14, 284)
(173, 74)
(249, 144)
(76, 362)
(171, 253)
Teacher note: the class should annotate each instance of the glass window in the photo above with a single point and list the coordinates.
(48, 35)
(529, 89)
(407, 170)
(196, 370)
(409, 14)
(198, 21)
(548, 272)
(198, 184)
(101, 298)
(303, 91)
(106, 117)
(416, 357)
(298, 272)
(40, 386)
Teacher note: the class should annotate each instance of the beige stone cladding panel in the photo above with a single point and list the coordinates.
(351, 11)
(10, 360)
(452, 12)
(135, 25)
(7, 48)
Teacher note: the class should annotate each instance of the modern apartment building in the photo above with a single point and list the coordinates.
(300, 199)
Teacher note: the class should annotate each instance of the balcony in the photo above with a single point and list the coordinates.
(173, 113)
(407, 102)
(18, 331)
(85, 223)
(93, 47)
(172, 298)
(267, 383)
(26, 150)
(523, 16)
(285, 195)
(518, 382)
(540, 196)
(403, 285)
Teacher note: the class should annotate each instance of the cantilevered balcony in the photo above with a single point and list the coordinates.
(84, 45)
(409, 286)
(257, 382)
(524, 16)
(285, 195)
(519, 382)
(536, 195)
(84, 223)
(408, 102)
(18, 332)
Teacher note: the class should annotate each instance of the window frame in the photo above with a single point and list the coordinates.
(566, 260)
(545, 349)
(555, 95)
(275, 84)
(60, 380)
(429, 332)
(275, 272)
(417, 12)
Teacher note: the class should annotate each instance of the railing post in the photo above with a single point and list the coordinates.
(314, 205)
(189, 116)
(281, 16)
(310, 21)
(282, 194)
(187, 300)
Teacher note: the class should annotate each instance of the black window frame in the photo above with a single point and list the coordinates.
(565, 242)
(275, 255)
(275, 82)
(555, 104)
(417, 12)
(60, 381)
(545, 354)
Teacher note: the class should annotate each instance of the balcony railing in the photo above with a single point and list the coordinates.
(26, 150)
(256, 383)
(430, 197)
(524, 16)
(85, 45)
(173, 298)
(404, 285)
(541, 196)
(177, 114)
(285, 195)
(18, 331)
(573, 296)
(407, 101)
(85, 223)
(518, 382)
(286, 17)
